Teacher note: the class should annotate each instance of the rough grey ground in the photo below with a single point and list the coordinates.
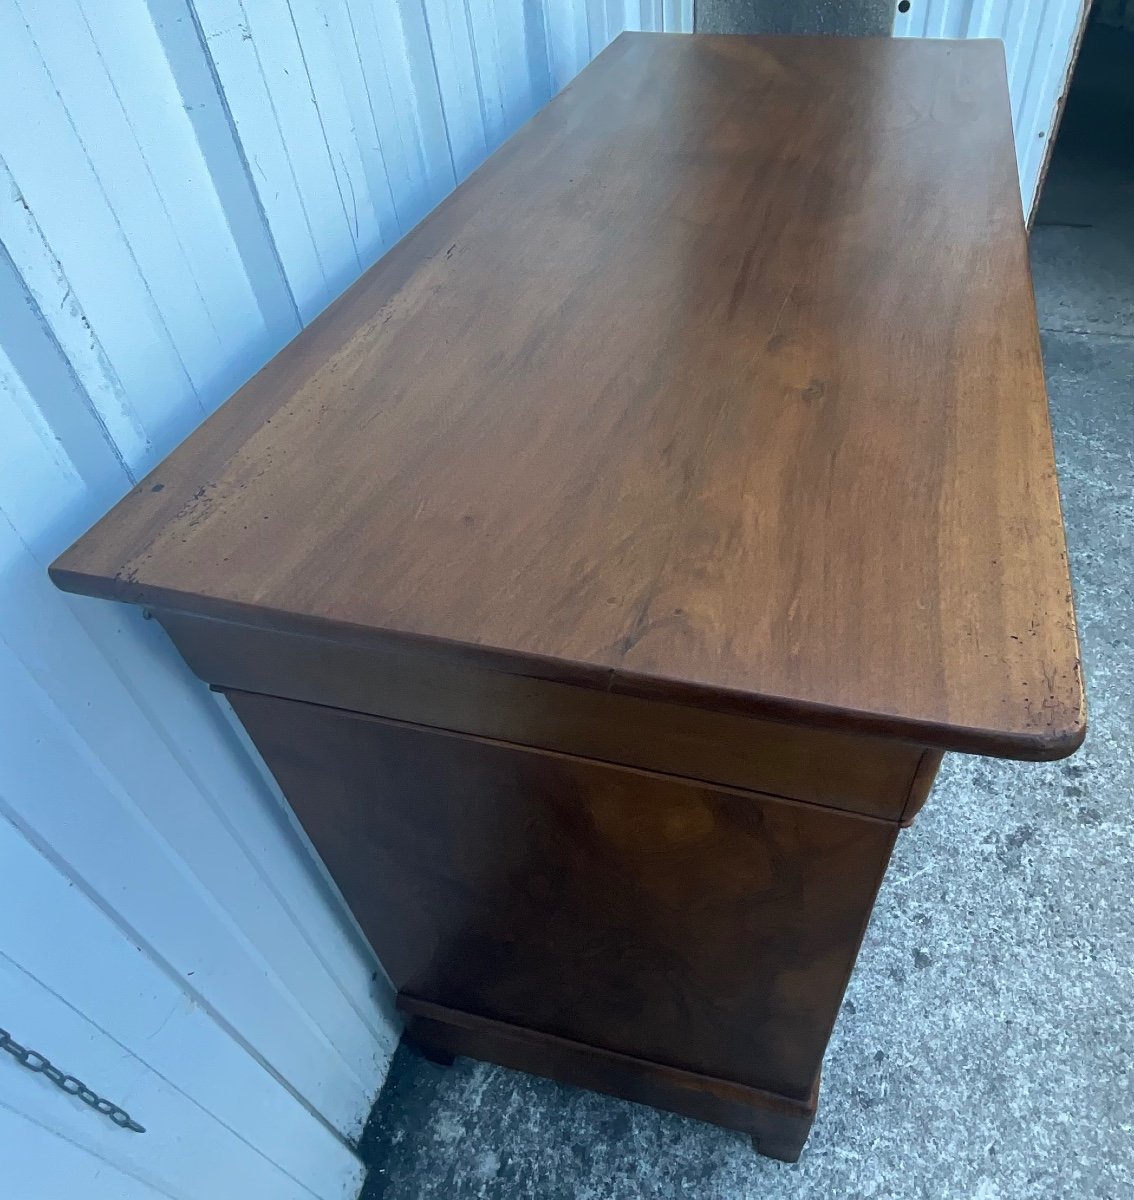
(984, 1049)
(839, 17)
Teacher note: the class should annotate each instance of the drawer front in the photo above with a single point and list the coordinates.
(859, 774)
(704, 928)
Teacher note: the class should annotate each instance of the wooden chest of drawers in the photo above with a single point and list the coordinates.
(604, 575)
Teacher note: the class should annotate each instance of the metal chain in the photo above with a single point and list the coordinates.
(34, 1061)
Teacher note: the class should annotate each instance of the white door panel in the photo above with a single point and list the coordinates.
(1040, 38)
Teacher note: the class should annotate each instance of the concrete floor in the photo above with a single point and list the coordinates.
(984, 1049)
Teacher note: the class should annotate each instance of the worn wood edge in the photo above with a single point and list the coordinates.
(920, 785)
(1040, 746)
(188, 604)
(779, 1125)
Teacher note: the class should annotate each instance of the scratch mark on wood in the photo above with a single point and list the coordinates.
(741, 284)
(780, 314)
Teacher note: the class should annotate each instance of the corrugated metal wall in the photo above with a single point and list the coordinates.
(183, 184)
(1039, 39)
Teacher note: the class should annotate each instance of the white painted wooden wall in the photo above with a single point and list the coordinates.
(183, 184)
(1040, 39)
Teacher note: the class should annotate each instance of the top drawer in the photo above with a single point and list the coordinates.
(872, 776)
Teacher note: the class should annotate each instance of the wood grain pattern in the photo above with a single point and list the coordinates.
(872, 776)
(701, 928)
(719, 383)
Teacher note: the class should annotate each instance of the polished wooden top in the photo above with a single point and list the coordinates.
(720, 382)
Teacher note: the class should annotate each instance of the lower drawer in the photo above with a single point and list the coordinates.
(707, 928)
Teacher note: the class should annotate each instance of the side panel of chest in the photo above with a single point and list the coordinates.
(703, 928)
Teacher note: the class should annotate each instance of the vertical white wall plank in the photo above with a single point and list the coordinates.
(392, 44)
(299, 197)
(98, 972)
(167, 1156)
(89, 252)
(1039, 39)
(108, 843)
(568, 41)
(120, 100)
(341, 60)
(325, 81)
(182, 41)
(39, 380)
(41, 1164)
(458, 81)
(500, 43)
